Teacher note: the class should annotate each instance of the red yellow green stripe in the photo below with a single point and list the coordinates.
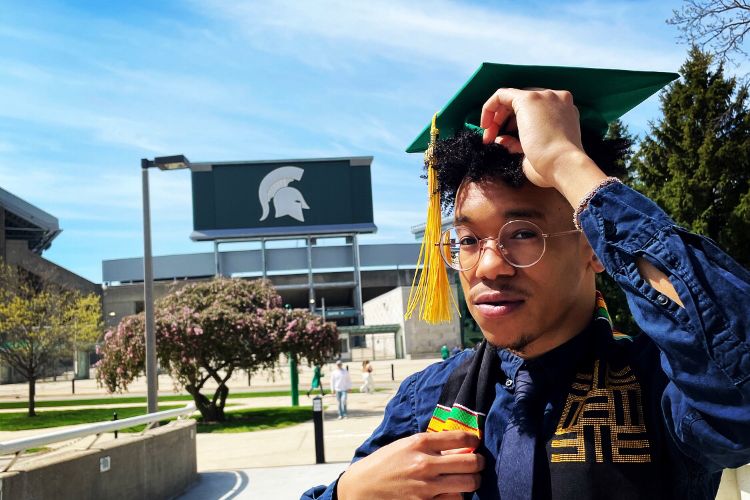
(457, 418)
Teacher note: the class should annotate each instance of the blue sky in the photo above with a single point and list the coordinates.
(87, 88)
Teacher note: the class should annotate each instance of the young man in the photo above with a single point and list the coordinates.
(341, 382)
(554, 403)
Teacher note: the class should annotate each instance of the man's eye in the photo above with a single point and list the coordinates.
(524, 234)
(467, 241)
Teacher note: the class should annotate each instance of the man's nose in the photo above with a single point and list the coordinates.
(492, 262)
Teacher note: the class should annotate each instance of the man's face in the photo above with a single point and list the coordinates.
(529, 310)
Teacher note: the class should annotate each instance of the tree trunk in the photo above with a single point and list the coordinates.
(223, 392)
(209, 410)
(32, 395)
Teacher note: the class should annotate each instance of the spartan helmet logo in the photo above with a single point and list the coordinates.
(286, 200)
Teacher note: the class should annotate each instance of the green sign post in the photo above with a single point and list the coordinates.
(294, 378)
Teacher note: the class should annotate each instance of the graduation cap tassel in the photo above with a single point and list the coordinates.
(432, 293)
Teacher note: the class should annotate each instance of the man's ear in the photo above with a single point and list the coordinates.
(596, 264)
(592, 261)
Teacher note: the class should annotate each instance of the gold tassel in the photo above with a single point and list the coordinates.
(432, 292)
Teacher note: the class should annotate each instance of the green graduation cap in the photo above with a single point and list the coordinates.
(601, 95)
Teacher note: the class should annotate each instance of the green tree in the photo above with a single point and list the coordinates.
(84, 317)
(38, 320)
(695, 162)
(613, 295)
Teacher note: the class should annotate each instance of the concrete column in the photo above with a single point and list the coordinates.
(2, 233)
(217, 259)
(310, 284)
(82, 366)
(358, 281)
(263, 257)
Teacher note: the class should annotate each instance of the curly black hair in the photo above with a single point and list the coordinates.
(465, 157)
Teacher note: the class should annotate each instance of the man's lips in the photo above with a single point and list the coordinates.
(498, 304)
(495, 297)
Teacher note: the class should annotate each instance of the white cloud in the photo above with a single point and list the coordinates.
(89, 193)
(339, 32)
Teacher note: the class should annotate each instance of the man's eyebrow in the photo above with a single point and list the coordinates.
(516, 213)
(529, 213)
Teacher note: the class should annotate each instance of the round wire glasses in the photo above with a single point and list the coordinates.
(520, 242)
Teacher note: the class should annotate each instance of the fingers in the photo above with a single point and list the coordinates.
(457, 483)
(496, 111)
(512, 144)
(500, 111)
(457, 451)
(435, 442)
(458, 463)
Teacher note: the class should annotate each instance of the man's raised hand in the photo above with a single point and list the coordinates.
(546, 123)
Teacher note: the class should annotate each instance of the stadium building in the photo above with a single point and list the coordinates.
(26, 231)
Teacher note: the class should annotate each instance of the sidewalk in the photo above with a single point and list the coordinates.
(295, 445)
(280, 483)
(280, 463)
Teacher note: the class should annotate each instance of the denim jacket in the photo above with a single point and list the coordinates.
(692, 364)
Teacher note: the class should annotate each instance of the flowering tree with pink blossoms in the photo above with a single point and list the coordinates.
(123, 354)
(205, 331)
(306, 336)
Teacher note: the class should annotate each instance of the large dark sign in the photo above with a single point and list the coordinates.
(280, 198)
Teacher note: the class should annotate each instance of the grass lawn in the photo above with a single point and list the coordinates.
(245, 420)
(9, 405)
(56, 418)
(256, 419)
(113, 400)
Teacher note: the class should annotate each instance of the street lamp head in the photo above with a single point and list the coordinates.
(174, 162)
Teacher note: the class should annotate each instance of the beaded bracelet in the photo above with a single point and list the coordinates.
(586, 199)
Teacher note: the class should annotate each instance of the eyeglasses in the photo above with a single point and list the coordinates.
(521, 243)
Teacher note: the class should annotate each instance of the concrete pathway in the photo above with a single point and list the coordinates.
(265, 483)
(280, 463)
(295, 445)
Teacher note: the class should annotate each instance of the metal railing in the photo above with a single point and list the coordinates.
(18, 446)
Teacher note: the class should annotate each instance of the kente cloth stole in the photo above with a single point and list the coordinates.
(470, 390)
(468, 393)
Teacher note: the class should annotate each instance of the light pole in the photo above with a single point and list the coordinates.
(175, 162)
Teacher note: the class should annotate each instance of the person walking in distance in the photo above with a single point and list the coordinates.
(367, 385)
(341, 382)
(316, 383)
(444, 352)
